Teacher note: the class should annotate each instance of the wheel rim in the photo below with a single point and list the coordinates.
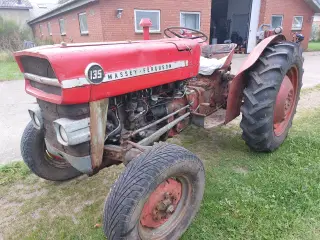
(285, 102)
(165, 208)
(55, 161)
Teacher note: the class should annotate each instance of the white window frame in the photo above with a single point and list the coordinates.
(193, 13)
(64, 26)
(49, 28)
(295, 28)
(87, 31)
(41, 29)
(151, 30)
(277, 16)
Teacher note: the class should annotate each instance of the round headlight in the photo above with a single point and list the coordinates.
(36, 120)
(63, 134)
(278, 30)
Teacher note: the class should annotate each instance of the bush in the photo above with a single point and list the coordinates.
(12, 36)
(40, 42)
(315, 35)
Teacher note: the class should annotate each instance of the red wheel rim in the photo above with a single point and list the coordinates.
(56, 161)
(161, 204)
(285, 102)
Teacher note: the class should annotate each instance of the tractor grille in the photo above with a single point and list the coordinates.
(37, 66)
(46, 88)
(41, 75)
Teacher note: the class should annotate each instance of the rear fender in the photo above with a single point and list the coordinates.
(238, 84)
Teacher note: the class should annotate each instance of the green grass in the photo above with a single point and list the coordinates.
(9, 70)
(13, 172)
(248, 195)
(260, 196)
(314, 46)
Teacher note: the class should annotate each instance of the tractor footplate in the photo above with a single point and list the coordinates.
(216, 119)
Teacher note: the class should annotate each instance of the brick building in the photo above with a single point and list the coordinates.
(114, 20)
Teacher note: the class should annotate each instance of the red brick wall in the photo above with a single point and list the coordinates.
(289, 9)
(123, 29)
(72, 27)
(103, 25)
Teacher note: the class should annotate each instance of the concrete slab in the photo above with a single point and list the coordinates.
(14, 103)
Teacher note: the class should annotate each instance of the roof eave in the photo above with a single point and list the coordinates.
(16, 8)
(314, 4)
(68, 6)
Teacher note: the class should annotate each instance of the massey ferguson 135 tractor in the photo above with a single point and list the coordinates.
(101, 104)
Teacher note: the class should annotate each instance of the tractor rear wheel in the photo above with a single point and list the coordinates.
(40, 161)
(156, 197)
(271, 96)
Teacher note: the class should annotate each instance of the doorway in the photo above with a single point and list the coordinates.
(234, 21)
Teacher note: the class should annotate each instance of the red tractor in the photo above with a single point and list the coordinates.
(101, 104)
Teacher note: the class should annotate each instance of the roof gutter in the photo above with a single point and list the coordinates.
(68, 6)
(314, 4)
(16, 8)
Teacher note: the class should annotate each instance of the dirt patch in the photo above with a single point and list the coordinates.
(241, 170)
(309, 100)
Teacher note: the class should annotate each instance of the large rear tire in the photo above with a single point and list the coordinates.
(40, 162)
(271, 96)
(156, 197)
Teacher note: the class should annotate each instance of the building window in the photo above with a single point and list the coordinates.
(40, 28)
(62, 26)
(190, 20)
(297, 23)
(276, 21)
(153, 15)
(83, 23)
(49, 29)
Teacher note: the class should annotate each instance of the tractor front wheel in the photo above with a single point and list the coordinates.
(40, 161)
(156, 197)
(271, 96)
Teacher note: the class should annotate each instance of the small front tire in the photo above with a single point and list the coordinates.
(156, 197)
(39, 161)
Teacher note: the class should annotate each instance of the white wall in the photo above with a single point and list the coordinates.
(19, 16)
(254, 22)
(316, 18)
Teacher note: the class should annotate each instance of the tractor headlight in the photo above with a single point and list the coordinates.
(72, 132)
(36, 120)
(63, 134)
(36, 117)
(278, 30)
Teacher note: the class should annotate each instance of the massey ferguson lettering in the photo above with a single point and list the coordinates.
(129, 73)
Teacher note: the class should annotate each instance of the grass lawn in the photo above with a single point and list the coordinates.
(9, 70)
(248, 195)
(314, 46)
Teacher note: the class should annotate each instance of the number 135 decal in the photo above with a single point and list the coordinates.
(94, 73)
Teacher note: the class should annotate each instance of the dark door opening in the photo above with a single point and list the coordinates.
(230, 21)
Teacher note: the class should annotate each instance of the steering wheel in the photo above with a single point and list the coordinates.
(184, 32)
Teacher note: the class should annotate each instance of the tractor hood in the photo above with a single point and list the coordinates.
(59, 73)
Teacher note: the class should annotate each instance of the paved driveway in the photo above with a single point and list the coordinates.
(14, 103)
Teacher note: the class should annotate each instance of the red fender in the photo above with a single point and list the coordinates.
(237, 85)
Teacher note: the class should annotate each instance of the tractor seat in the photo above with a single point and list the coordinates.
(209, 65)
(215, 57)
